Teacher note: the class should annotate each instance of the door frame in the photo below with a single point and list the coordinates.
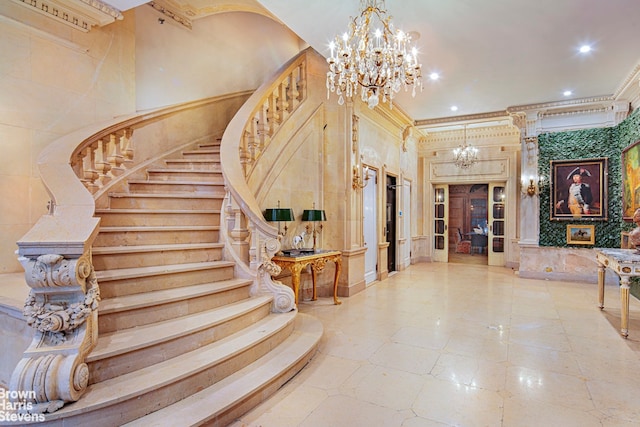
(391, 221)
(370, 227)
(440, 200)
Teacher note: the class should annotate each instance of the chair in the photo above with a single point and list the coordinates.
(462, 246)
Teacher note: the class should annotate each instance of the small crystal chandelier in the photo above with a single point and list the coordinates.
(376, 59)
(465, 155)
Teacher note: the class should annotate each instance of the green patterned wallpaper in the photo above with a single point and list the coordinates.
(584, 144)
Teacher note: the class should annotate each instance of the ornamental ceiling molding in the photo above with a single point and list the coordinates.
(500, 135)
(630, 87)
(78, 14)
(579, 104)
(196, 9)
(172, 12)
(493, 115)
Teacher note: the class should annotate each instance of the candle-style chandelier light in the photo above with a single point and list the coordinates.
(374, 57)
(465, 155)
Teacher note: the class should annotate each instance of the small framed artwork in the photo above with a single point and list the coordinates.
(579, 189)
(581, 235)
(624, 240)
(630, 180)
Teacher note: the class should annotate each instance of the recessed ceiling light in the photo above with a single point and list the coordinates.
(454, 108)
(567, 93)
(585, 48)
(434, 76)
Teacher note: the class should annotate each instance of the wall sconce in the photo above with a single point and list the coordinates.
(531, 187)
(358, 182)
(281, 215)
(314, 215)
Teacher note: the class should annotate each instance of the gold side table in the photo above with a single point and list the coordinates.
(626, 264)
(296, 261)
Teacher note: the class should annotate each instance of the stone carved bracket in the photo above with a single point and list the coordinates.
(62, 308)
(283, 296)
(52, 270)
(59, 317)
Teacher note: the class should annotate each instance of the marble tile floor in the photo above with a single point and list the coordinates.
(465, 345)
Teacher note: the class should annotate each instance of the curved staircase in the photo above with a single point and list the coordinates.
(181, 340)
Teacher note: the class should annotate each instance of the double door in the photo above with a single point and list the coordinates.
(496, 224)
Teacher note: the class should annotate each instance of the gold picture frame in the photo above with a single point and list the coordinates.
(630, 180)
(578, 234)
(591, 184)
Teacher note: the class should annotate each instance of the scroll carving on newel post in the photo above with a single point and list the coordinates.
(62, 308)
(283, 296)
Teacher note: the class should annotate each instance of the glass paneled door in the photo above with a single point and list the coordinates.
(440, 223)
(497, 223)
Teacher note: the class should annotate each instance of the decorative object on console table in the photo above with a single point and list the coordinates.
(581, 235)
(579, 189)
(295, 261)
(314, 215)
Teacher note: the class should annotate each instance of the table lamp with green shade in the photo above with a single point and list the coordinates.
(314, 215)
(280, 215)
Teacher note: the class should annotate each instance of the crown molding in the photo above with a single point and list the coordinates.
(171, 11)
(572, 104)
(629, 89)
(78, 14)
(482, 117)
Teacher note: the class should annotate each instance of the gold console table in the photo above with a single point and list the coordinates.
(626, 264)
(295, 262)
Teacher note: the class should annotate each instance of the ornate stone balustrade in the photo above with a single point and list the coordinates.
(56, 252)
(250, 239)
(276, 103)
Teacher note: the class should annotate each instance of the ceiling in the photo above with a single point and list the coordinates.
(490, 54)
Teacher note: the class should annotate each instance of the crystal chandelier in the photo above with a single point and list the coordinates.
(465, 155)
(374, 57)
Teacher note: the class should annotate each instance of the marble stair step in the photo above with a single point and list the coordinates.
(128, 340)
(196, 164)
(209, 150)
(125, 398)
(117, 257)
(176, 174)
(141, 185)
(165, 200)
(154, 248)
(222, 402)
(157, 217)
(166, 296)
(128, 281)
(156, 235)
(212, 154)
(125, 351)
(130, 311)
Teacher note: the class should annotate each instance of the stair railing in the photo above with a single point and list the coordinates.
(56, 252)
(251, 241)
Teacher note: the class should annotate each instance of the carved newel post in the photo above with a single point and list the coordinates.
(62, 308)
(284, 299)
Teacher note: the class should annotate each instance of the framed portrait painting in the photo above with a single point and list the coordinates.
(579, 189)
(630, 180)
(581, 235)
